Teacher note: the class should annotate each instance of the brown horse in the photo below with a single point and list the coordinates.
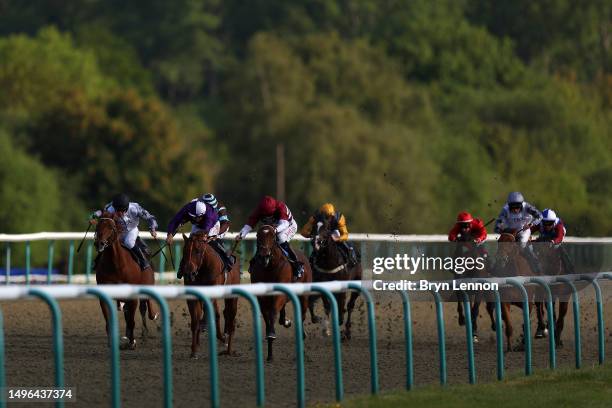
(269, 265)
(510, 262)
(552, 265)
(116, 265)
(328, 264)
(202, 265)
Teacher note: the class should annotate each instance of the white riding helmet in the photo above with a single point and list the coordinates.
(200, 209)
(549, 215)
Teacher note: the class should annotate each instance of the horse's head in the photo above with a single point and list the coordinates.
(107, 231)
(193, 253)
(507, 248)
(266, 241)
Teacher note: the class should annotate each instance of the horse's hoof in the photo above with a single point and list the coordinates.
(559, 344)
(461, 320)
(194, 356)
(154, 317)
(229, 353)
(123, 343)
(475, 338)
(120, 306)
(132, 345)
(286, 323)
(541, 333)
(315, 320)
(271, 336)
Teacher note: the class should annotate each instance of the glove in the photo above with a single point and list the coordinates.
(244, 231)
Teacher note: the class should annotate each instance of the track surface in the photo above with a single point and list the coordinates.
(30, 358)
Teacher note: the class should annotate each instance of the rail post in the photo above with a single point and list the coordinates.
(576, 313)
(469, 337)
(166, 343)
(335, 338)
(88, 262)
(212, 345)
(50, 261)
(58, 341)
(28, 256)
(441, 337)
(551, 321)
(408, 339)
(113, 334)
(70, 261)
(299, 343)
(8, 263)
(526, 323)
(372, 333)
(259, 364)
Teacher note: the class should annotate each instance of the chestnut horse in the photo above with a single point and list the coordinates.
(116, 265)
(270, 265)
(328, 264)
(510, 262)
(202, 265)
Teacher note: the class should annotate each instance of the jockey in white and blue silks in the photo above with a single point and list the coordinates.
(130, 215)
(517, 217)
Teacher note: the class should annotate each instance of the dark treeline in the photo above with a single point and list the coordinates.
(400, 112)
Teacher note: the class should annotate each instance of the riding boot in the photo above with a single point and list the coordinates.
(532, 259)
(142, 259)
(297, 266)
(351, 254)
(228, 261)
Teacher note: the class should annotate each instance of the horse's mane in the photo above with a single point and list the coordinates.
(115, 217)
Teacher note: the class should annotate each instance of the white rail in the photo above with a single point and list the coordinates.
(59, 236)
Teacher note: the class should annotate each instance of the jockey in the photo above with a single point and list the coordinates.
(269, 211)
(130, 214)
(339, 231)
(517, 217)
(221, 210)
(469, 229)
(202, 217)
(552, 230)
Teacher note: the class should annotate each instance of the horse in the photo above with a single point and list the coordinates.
(510, 262)
(202, 265)
(271, 266)
(552, 265)
(328, 264)
(116, 265)
(467, 249)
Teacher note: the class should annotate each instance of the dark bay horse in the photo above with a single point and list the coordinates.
(552, 265)
(202, 265)
(269, 265)
(509, 263)
(116, 265)
(328, 264)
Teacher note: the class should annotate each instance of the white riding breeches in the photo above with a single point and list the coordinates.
(288, 233)
(128, 238)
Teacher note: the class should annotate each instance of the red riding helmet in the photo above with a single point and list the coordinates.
(464, 217)
(267, 205)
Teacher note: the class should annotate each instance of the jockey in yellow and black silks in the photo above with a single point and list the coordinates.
(337, 222)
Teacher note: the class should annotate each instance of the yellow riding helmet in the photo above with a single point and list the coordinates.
(327, 209)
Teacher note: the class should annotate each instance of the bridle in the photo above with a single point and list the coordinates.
(190, 243)
(268, 230)
(112, 237)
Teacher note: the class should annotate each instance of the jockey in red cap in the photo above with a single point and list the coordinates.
(468, 228)
(270, 211)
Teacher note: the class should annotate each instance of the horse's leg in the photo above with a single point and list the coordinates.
(506, 318)
(195, 312)
(474, 314)
(490, 311)
(282, 318)
(130, 322)
(349, 311)
(311, 307)
(541, 331)
(229, 315)
(220, 335)
(142, 306)
(563, 306)
(460, 316)
(304, 307)
(105, 312)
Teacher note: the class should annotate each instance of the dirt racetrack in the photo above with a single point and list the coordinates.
(30, 359)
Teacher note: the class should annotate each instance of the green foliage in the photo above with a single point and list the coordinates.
(121, 142)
